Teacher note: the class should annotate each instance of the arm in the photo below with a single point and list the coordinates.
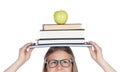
(96, 54)
(24, 55)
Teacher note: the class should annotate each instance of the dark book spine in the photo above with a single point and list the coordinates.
(62, 44)
(64, 30)
(61, 39)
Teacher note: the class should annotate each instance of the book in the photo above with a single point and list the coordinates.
(60, 40)
(64, 44)
(76, 33)
(61, 35)
(62, 27)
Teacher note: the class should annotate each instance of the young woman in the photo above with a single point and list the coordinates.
(60, 59)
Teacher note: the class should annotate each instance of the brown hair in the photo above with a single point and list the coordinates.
(62, 48)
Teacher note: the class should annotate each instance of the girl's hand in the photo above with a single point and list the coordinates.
(96, 54)
(25, 53)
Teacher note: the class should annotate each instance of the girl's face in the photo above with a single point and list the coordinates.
(59, 61)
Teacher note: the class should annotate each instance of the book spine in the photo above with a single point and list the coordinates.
(62, 44)
(62, 34)
(60, 27)
(61, 39)
(64, 30)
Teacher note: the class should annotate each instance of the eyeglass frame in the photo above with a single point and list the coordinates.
(58, 61)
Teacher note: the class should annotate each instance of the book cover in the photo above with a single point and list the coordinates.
(62, 27)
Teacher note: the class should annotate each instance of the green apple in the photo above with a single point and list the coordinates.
(60, 17)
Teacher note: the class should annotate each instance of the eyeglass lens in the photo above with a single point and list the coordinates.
(54, 63)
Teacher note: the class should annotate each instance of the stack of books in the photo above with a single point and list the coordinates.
(53, 34)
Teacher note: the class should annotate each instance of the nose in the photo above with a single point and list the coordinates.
(59, 66)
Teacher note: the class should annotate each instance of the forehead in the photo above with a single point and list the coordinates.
(59, 55)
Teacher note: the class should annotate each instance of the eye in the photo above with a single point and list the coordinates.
(52, 63)
(65, 61)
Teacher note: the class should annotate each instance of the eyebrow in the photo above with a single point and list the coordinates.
(59, 59)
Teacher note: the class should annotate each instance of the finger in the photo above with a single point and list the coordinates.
(30, 50)
(96, 46)
(27, 44)
(92, 53)
(89, 46)
(90, 50)
(24, 48)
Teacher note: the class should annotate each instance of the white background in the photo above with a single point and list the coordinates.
(21, 20)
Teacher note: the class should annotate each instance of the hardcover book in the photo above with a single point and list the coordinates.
(62, 27)
(60, 40)
(62, 33)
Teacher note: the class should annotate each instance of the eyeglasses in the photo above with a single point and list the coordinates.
(64, 62)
